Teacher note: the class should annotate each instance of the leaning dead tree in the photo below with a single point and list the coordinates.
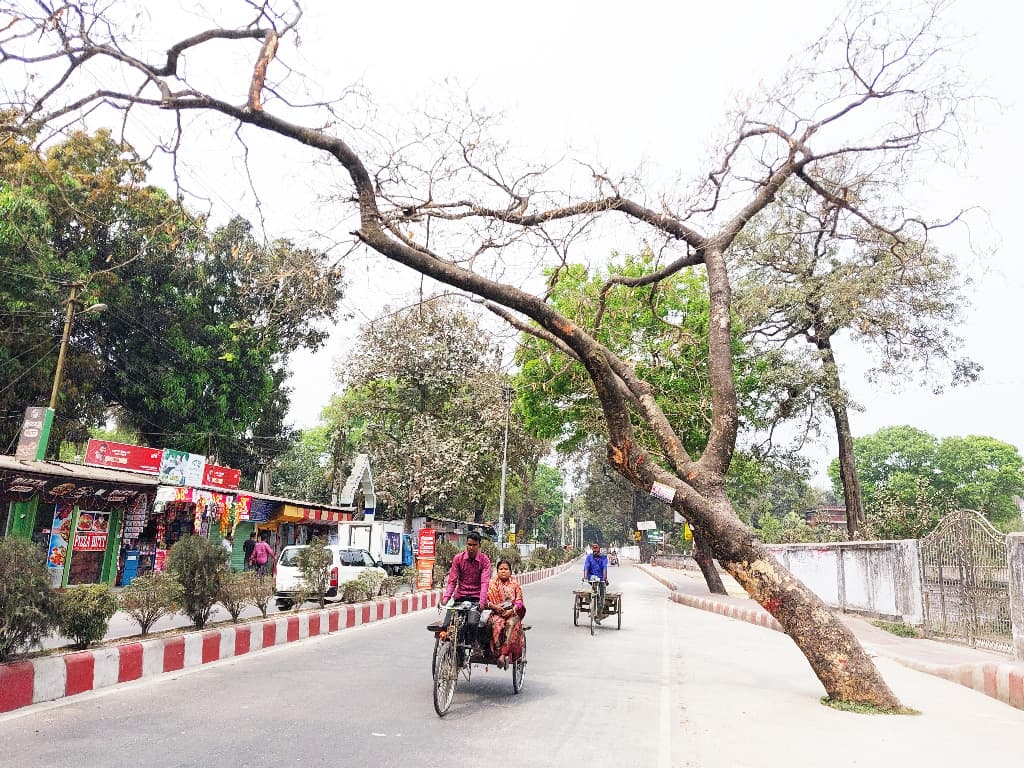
(874, 91)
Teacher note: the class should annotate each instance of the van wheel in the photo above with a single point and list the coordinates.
(284, 604)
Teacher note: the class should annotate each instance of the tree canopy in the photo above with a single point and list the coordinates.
(905, 465)
(191, 350)
(424, 396)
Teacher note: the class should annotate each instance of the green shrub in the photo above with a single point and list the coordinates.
(513, 556)
(314, 563)
(373, 579)
(444, 554)
(354, 591)
(150, 597)
(234, 594)
(198, 565)
(391, 584)
(539, 558)
(28, 604)
(490, 549)
(258, 591)
(85, 612)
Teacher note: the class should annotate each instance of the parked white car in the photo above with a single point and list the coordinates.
(347, 563)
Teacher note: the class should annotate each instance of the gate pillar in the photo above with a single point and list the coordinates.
(1015, 562)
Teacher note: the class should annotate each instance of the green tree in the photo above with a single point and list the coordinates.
(983, 474)
(198, 565)
(191, 352)
(904, 468)
(303, 471)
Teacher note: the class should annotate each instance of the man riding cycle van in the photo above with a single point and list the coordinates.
(596, 565)
(468, 580)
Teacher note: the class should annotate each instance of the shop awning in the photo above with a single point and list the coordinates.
(57, 481)
(293, 513)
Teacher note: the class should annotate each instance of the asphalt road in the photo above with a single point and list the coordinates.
(363, 698)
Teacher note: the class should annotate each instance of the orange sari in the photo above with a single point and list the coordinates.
(506, 631)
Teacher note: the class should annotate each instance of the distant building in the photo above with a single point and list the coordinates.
(836, 516)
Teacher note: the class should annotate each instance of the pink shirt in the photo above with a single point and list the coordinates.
(262, 553)
(468, 578)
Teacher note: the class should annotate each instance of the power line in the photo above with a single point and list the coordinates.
(30, 368)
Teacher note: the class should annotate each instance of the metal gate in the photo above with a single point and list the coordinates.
(965, 582)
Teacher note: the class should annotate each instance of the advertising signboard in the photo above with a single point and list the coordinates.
(646, 525)
(221, 477)
(91, 531)
(425, 549)
(137, 458)
(60, 533)
(181, 468)
(35, 434)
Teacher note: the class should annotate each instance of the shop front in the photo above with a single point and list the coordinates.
(76, 514)
(284, 522)
(178, 511)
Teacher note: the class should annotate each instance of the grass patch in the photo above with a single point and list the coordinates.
(865, 709)
(897, 628)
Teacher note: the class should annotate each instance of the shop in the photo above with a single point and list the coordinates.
(78, 514)
(177, 512)
(284, 522)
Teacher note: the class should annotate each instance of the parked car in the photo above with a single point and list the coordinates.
(346, 564)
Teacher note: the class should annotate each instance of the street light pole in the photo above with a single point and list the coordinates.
(507, 392)
(58, 374)
(69, 317)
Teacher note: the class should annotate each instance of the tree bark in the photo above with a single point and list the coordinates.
(847, 462)
(702, 556)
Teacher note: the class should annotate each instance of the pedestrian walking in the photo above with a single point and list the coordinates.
(247, 548)
(229, 548)
(262, 554)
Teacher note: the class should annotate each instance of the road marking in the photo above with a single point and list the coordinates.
(665, 719)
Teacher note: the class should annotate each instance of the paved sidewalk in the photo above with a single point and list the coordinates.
(993, 674)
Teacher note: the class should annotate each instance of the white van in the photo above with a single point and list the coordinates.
(346, 564)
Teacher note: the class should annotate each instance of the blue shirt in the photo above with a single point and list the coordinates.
(595, 566)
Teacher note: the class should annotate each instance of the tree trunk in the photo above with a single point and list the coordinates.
(847, 461)
(702, 556)
(834, 653)
(410, 509)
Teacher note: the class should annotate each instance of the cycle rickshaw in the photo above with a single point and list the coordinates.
(588, 601)
(456, 650)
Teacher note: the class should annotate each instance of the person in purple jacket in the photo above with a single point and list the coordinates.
(596, 565)
(468, 579)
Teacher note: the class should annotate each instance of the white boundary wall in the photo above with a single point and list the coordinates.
(879, 578)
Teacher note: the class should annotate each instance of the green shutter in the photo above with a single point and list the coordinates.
(109, 573)
(242, 531)
(23, 517)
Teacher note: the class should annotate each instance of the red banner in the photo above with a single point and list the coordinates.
(90, 542)
(221, 477)
(426, 543)
(103, 453)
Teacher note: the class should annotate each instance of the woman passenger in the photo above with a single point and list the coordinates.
(505, 599)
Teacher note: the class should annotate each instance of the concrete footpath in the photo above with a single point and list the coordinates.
(989, 673)
(55, 676)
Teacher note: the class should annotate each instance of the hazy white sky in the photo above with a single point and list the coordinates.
(644, 83)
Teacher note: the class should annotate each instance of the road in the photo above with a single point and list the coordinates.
(675, 687)
(363, 698)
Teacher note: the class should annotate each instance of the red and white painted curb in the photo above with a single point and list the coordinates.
(1001, 681)
(46, 678)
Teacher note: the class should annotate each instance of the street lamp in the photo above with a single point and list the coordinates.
(507, 392)
(69, 317)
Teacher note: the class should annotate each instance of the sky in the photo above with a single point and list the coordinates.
(638, 85)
